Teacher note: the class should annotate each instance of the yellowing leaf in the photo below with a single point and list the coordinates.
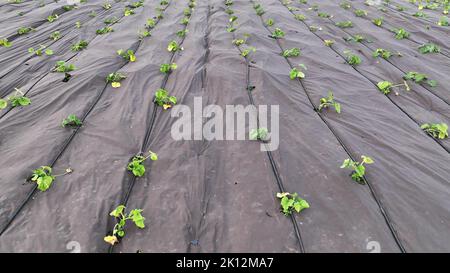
(115, 84)
(166, 106)
(111, 239)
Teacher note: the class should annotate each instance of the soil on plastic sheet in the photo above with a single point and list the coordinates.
(220, 196)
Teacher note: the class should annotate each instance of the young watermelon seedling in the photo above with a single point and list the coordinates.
(62, 67)
(344, 24)
(296, 73)
(293, 52)
(329, 43)
(79, 46)
(52, 18)
(386, 87)
(419, 78)
(55, 36)
(261, 134)
(378, 21)
(115, 79)
(173, 47)
(104, 30)
(352, 59)
(5, 43)
(401, 34)
(383, 53)
(136, 165)
(119, 213)
(429, 48)
(17, 99)
(360, 13)
(44, 177)
(41, 50)
(443, 21)
(71, 121)
(358, 168)
(127, 55)
(436, 130)
(247, 51)
(24, 30)
(329, 101)
(163, 99)
(291, 202)
(167, 68)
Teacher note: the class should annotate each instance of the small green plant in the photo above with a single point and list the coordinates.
(291, 202)
(115, 79)
(5, 43)
(239, 42)
(136, 165)
(420, 14)
(185, 21)
(80, 45)
(24, 30)
(358, 168)
(383, 53)
(127, 55)
(174, 46)
(167, 68)
(436, 130)
(247, 51)
(163, 99)
(352, 59)
(345, 5)
(151, 23)
(111, 20)
(270, 22)
(119, 213)
(360, 13)
(17, 99)
(55, 36)
(41, 50)
(128, 12)
(71, 121)
(104, 30)
(277, 34)
(296, 73)
(52, 18)
(78, 25)
(92, 14)
(429, 48)
(107, 6)
(329, 101)
(44, 177)
(378, 21)
(63, 67)
(292, 52)
(386, 87)
(323, 15)
(259, 9)
(357, 38)
(300, 17)
(182, 33)
(443, 21)
(344, 24)
(419, 78)
(329, 42)
(260, 134)
(401, 34)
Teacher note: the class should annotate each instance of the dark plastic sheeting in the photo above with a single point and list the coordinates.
(222, 193)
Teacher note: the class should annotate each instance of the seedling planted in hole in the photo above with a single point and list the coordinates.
(293, 52)
(324, 15)
(277, 34)
(383, 53)
(17, 99)
(127, 55)
(352, 59)
(419, 78)
(174, 46)
(63, 67)
(358, 168)
(291, 202)
(247, 51)
(104, 30)
(111, 20)
(167, 68)
(344, 24)
(429, 48)
(128, 12)
(41, 50)
(79, 46)
(24, 30)
(115, 79)
(52, 18)
(360, 13)
(44, 177)
(269, 22)
(55, 36)
(261, 134)
(386, 87)
(119, 213)
(5, 43)
(378, 21)
(358, 38)
(296, 73)
(136, 165)
(329, 42)
(163, 99)
(329, 101)
(71, 121)
(436, 130)
(443, 21)
(182, 33)
(401, 34)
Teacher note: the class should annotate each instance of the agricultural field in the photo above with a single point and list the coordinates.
(88, 91)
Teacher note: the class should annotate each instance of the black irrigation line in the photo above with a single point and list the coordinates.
(408, 38)
(383, 211)
(67, 142)
(51, 43)
(375, 84)
(149, 129)
(273, 164)
(51, 71)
